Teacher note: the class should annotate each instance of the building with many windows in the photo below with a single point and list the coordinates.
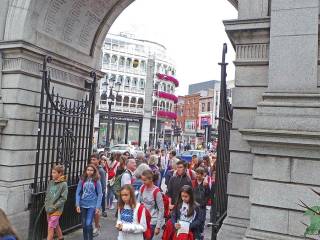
(200, 110)
(142, 79)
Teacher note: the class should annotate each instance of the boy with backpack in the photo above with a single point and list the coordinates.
(201, 193)
(56, 196)
(152, 199)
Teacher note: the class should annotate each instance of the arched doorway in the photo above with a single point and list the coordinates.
(270, 124)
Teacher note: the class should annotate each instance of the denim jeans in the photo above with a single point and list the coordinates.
(87, 215)
(153, 227)
(110, 196)
(103, 202)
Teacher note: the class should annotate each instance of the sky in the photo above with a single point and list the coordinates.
(191, 30)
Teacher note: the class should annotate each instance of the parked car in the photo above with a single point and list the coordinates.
(121, 148)
(187, 155)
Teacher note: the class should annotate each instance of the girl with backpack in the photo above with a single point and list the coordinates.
(151, 196)
(111, 168)
(88, 199)
(186, 216)
(132, 221)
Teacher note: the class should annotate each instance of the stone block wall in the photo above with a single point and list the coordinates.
(276, 120)
(20, 91)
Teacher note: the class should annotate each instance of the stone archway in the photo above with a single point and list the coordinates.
(275, 141)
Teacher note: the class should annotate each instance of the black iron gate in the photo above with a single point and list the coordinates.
(223, 154)
(65, 132)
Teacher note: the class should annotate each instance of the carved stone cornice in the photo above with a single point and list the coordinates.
(33, 68)
(283, 143)
(250, 54)
(15, 49)
(250, 39)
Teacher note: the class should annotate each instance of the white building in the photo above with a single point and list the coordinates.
(135, 68)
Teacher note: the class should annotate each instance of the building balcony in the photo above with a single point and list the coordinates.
(168, 96)
(127, 89)
(165, 114)
(168, 78)
(124, 109)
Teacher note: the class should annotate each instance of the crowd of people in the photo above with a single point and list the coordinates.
(157, 194)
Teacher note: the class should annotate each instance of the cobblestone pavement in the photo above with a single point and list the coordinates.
(108, 232)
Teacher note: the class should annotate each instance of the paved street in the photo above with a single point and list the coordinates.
(108, 231)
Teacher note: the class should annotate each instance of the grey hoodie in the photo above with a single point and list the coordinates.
(155, 206)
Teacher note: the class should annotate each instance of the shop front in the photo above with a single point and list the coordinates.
(124, 129)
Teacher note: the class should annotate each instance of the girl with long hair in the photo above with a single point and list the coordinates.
(6, 230)
(88, 199)
(130, 224)
(186, 214)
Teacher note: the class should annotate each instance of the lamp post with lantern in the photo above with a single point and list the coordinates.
(111, 85)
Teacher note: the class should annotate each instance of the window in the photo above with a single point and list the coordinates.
(120, 79)
(114, 59)
(155, 103)
(112, 77)
(162, 106)
(135, 82)
(118, 100)
(121, 61)
(208, 107)
(135, 63)
(141, 84)
(133, 102)
(203, 106)
(106, 58)
(143, 66)
(128, 63)
(126, 101)
(140, 103)
(127, 82)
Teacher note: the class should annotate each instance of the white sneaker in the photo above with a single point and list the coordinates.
(111, 207)
(96, 232)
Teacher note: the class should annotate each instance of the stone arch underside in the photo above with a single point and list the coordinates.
(74, 29)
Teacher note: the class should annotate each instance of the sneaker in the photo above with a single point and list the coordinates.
(104, 214)
(96, 232)
(111, 207)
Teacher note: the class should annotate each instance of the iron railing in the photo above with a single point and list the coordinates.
(219, 210)
(65, 131)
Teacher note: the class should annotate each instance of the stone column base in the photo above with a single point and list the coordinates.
(259, 235)
(233, 229)
(20, 221)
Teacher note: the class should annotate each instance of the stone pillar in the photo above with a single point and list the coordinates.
(250, 39)
(148, 102)
(285, 135)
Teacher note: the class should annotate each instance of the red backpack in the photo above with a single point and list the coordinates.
(148, 233)
(111, 171)
(165, 199)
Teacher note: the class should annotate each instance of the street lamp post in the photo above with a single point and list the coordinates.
(110, 98)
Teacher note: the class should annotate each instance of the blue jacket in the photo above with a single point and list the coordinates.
(89, 194)
(9, 237)
(195, 224)
(103, 178)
